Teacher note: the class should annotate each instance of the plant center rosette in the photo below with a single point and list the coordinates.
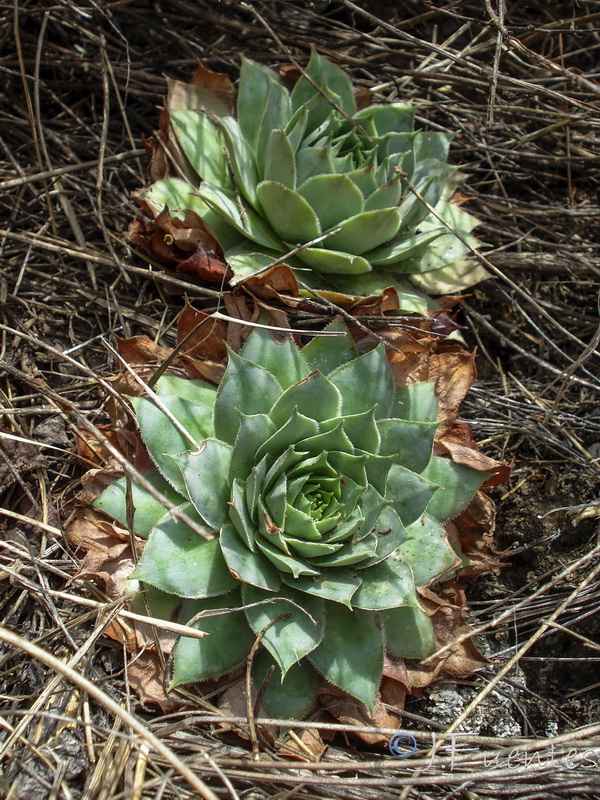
(317, 480)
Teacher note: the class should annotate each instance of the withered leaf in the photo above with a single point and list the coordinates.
(208, 342)
(211, 91)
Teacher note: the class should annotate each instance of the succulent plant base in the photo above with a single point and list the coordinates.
(324, 508)
(292, 167)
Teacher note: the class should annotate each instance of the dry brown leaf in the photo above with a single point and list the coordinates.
(207, 370)
(305, 745)
(206, 267)
(376, 305)
(159, 167)
(278, 283)
(145, 674)
(94, 481)
(473, 532)
(233, 703)
(393, 694)
(453, 369)
(107, 549)
(212, 91)
(449, 624)
(140, 351)
(470, 457)
(348, 710)
(209, 341)
(188, 243)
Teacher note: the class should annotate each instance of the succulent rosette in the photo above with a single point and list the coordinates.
(317, 480)
(295, 167)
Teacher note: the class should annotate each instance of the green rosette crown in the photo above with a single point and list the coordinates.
(327, 506)
(292, 167)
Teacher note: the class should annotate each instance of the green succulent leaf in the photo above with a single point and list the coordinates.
(205, 473)
(244, 565)
(203, 144)
(247, 259)
(294, 166)
(313, 161)
(361, 430)
(240, 215)
(416, 402)
(387, 584)
(454, 277)
(446, 249)
(334, 262)
(243, 521)
(429, 179)
(316, 397)
(288, 212)
(389, 533)
(386, 196)
(365, 179)
(298, 428)
(327, 507)
(411, 493)
(262, 104)
(393, 255)
(225, 647)
(280, 160)
(241, 161)
(323, 72)
(365, 383)
(428, 551)
(327, 353)
(339, 585)
(285, 564)
(457, 485)
(410, 442)
(291, 697)
(176, 195)
(147, 510)
(430, 145)
(283, 360)
(178, 561)
(335, 84)
(367, 230)
(296, 127)
(299, 630)
(245, 387)
(164, 439)
(394, 118)
(194, 391)
(333, 198)
(408, 632)
(253, 431)
(150, 601)
(351, 653)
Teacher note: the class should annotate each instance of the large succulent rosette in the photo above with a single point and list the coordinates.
(295, 167)
(326, 506)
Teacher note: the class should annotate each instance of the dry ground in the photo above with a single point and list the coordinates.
(520, 83)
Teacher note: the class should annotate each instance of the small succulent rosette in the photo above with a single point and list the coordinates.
(316, 483)
(306, 168)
